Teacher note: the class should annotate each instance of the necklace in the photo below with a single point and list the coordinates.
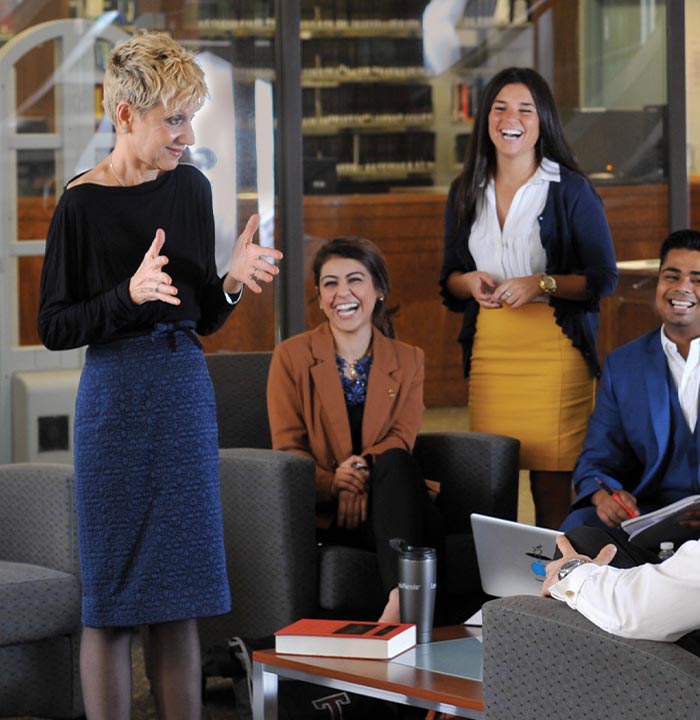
(351, 368)
(116, 174)
(353, 377)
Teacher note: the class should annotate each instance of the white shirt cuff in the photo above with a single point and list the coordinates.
(234, 299)
(567, 590)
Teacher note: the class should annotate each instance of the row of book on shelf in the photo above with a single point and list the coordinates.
(465, 98)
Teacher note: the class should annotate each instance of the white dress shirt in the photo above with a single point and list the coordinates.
(516, 250)
(649, 602)
(686, 375)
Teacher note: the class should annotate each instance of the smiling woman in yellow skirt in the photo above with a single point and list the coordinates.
(528, 255)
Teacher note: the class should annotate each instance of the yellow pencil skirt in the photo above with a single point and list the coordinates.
(528, 381)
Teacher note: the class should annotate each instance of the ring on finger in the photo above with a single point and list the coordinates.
(506, 293)
(155, 289)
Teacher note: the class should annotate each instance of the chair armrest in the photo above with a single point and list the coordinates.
(478, 472)
(37, 516)
(543, 659)
(268, 499)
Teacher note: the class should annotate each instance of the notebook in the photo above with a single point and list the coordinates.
(512, 556)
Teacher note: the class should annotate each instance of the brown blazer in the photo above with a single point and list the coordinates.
(307, 408)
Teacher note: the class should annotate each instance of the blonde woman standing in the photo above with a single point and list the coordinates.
(130, 272)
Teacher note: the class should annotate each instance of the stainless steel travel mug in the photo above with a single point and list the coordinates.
(417, 585)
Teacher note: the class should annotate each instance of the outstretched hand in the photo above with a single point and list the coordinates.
(149, 283)
(604, 557)
(250, 263)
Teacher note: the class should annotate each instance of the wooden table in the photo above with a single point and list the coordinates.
(389, 680)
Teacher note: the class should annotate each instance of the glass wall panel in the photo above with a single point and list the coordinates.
(619, 130)
(58, 135)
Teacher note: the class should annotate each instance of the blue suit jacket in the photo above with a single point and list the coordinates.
(629, 430)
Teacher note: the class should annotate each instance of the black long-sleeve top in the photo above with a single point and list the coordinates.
(97, 239)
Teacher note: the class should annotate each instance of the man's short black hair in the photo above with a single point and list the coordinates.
(680, 240)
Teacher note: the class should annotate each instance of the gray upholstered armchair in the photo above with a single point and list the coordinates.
(39, 592)
(269, 532)
(544, 660)
(478, 473)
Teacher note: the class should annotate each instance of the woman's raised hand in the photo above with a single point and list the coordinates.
(149, 282)
(250, 263)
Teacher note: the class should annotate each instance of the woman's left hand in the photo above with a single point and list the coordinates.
(250, 263)
(352, 509)
(517, 292)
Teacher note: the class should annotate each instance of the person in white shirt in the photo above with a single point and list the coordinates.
(649, 602)
(528, 255)
(643, 440)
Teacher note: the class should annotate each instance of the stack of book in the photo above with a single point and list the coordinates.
(343, 638)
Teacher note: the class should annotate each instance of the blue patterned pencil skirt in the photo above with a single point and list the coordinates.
(147, 483)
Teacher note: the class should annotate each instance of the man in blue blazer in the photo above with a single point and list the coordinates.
(643, 439)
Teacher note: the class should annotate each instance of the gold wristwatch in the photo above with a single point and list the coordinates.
(547, 284)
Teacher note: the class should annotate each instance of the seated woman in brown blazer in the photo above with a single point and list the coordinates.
(350, 397)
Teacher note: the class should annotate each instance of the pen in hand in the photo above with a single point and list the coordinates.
(616, 498)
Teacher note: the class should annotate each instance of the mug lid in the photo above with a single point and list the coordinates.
(418, 553)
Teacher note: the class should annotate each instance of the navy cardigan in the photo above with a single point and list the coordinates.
(576, 239)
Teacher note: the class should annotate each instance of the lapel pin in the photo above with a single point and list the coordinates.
(392, 393)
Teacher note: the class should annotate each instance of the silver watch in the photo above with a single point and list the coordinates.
(569, 565)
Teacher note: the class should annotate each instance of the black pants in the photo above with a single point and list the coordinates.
(590, 541)
(399, 507)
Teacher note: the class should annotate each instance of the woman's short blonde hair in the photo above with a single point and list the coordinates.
(151, 69)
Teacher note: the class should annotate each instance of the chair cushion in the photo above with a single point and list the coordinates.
(36, 603)
(349, 579)
(462, 566)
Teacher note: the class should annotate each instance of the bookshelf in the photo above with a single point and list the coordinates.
(373, 118)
